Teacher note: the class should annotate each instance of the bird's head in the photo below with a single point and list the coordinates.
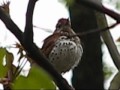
(63, 22)
(62, 25)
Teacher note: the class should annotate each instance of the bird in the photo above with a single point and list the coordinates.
(63, 47)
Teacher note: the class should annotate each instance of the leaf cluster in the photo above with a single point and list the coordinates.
(10, 75)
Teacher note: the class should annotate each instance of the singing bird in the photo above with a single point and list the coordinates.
(63, 48)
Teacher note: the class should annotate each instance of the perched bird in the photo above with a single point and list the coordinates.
(63, 50)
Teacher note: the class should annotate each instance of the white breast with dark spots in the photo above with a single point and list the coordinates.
(66, 54)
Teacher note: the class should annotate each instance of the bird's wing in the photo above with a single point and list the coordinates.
(49, 43)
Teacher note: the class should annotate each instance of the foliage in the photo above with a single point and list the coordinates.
(118, 4)
(108, 71)
(36, 79)
(3, 68)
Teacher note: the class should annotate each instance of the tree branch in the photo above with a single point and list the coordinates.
(34, 52)
(107, 37)
(93, 31)
(11, 25)
(99, 7)
(28, 34)
(26, 40)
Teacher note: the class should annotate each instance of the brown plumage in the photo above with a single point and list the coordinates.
(64, 52)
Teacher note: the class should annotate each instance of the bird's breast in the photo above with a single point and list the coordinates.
(65, 54)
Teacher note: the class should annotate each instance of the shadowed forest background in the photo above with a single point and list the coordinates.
(91, 73)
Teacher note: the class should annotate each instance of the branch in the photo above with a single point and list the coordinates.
(11, 25)
(26, 40)
(99, 7)
(28, 34)
(45, 29)
(108, 40)
(107, 37)
(34, 52)
(93, 31)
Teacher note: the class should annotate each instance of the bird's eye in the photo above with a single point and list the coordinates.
(59, 25)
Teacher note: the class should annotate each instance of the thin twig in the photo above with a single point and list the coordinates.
(91, 31)
(94, 31)
(45, 29)
(20, 68)
(83, 33)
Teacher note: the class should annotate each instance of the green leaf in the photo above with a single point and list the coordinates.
(3, 69)
(2, 54)
(118, 4)
(115, 83)
(37, 79)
